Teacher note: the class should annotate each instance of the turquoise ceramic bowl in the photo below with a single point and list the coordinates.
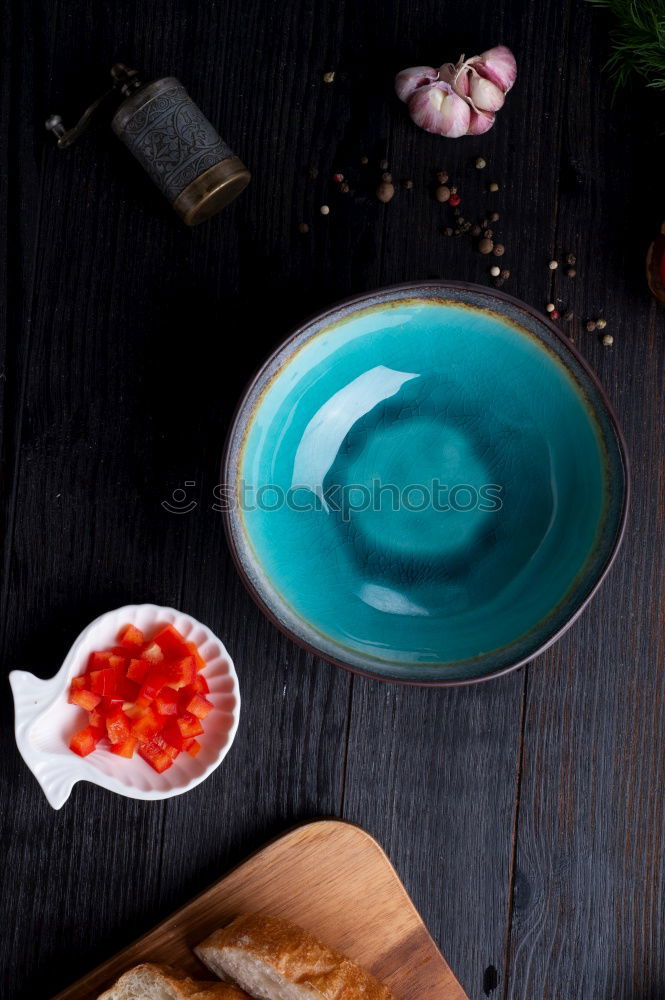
(425, 484)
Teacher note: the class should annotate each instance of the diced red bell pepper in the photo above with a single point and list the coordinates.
(137, 670)
(103, 682)
(119, 664)
(127, 690)
(199, 706)
(171, 733)
(193, 650)
(166, 702)
(153, 684)
(118, 726)
(180, 673)
(200, 685)
(172, 643)
(85, 741)
(84, 699)
(152, 653)
(147, 726)
(78, 683)
(189, 725)
(155, 753)
(97, 719)
(193, 747)
(99, 661)
(131, 637)
(126, 748)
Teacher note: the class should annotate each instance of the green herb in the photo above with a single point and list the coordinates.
(638, 41)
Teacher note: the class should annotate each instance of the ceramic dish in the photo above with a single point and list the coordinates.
(427, 484)
(45, 721)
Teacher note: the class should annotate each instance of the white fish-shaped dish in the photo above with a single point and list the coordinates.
(45, 721)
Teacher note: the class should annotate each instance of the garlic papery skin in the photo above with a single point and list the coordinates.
(438, 109)
(485, 95)
(410, 80)
(481, 122)
(498, 65)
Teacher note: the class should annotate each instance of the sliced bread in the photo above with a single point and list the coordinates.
(273, 959)
(159, 982)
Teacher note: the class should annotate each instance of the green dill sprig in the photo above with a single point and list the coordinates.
(638, 41)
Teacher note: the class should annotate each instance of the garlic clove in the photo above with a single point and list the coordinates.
(481, 122)
(410, 80)
(437, 108)
(498, 65)
(486, 96)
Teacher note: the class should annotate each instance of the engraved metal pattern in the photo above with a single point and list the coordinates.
(173, 140)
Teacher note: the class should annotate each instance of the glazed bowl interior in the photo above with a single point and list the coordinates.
(427, 484)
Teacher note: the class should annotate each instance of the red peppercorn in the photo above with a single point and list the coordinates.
(338, 178)
(555, 314)
(454, 200)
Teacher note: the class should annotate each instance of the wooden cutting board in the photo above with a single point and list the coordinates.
(330, 877)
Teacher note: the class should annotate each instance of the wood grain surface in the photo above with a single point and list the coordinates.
(525, 817)
(330, 877)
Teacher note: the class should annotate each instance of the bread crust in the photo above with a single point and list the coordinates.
(181, 985)
(296, 955)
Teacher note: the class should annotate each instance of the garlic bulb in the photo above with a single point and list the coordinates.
(459, 98)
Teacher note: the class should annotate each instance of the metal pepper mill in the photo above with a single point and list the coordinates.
(172, 140)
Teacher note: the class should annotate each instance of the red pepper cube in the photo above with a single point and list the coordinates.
(147, 726)
(103, 682)
(181, 673)
(118, 726)
(156, 756)
(85, 741)
(152, 653)
(171, 733)
(119, 664)
(189, 725)
(171, 643)
(131, 637)
(199, 706)
(98, 661)
(193, 747)
(153, 684)
(78, 683)
(84, 699)
(97, 719)
(127, 690)
(193, 650)
(137, 670)
(166, 702)
(200, 684)
(126, 748)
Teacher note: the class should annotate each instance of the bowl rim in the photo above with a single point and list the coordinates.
(374, 297)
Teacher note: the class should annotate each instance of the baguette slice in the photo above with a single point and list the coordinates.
(159, 982)
(273, 959)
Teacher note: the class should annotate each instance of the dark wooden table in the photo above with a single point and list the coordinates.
(526, 816)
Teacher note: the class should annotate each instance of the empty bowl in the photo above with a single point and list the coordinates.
(425, 484)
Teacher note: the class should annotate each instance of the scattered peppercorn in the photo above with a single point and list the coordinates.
(481, 163)
(313, 173)
(489, 233)
(550, 307)
(448, 231)
(553, 264)
(486, 245)
(555, 314)
(325, 210)
(303, 228)
(387, 177)
(591, 325)
(460, 218)
(455, 200)
(484, 223)
(494, 217)
(601, 324)
(494, 186)
(383, 164)
(607, 340)
(505, 274)
(495, 271)
(328, 77)
(338, 178)
(476, 230)
(499, 250)
(385, 191)
(364, 160)
(442, 193)
(568, 315)
(442, 177)
(458, 232)
(571, 272)
(407, 185)
(344, 188)
(571, 258)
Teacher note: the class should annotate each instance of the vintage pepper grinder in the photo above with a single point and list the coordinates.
(172, 140)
